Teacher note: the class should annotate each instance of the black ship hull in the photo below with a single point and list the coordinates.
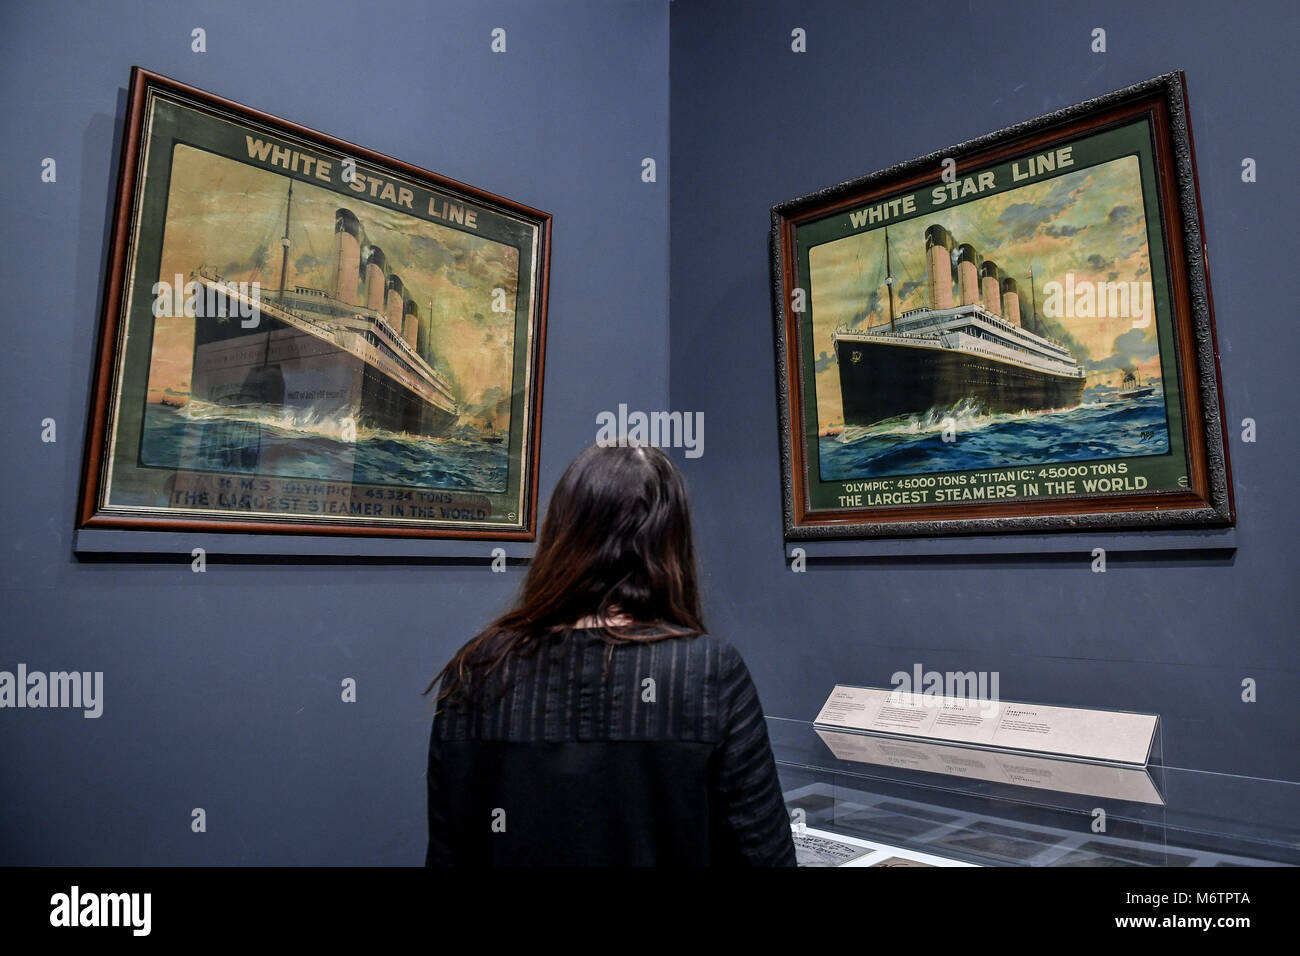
(305, 376)
(880, 381)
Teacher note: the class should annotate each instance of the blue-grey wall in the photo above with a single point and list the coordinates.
(222, 689)
(754, 123)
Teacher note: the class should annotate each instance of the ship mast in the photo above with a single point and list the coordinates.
(284, 262)
(889, 280)
(284, 268)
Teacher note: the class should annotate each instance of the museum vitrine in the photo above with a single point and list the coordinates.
(869, 799)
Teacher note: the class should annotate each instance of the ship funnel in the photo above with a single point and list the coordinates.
(411, 323)
(1010, 300)
(376, 265)
(938, 266)
(395, 303)
(347, 256)
(968, 280)
(991, 287)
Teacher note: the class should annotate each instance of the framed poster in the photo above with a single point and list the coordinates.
(1014, 334)
(301, 335)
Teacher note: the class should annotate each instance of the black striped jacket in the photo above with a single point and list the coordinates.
(591, 753)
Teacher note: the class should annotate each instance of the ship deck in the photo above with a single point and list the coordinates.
(347, 334)
(954, 330)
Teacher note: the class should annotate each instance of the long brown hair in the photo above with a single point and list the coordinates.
(616, 539)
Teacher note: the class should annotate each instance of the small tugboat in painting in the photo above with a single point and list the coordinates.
(1132, 386)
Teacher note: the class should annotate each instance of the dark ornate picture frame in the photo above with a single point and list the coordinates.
(883, 372)
(347, 389)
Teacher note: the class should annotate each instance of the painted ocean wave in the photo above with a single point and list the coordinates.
(1102, 428)
(270, 442)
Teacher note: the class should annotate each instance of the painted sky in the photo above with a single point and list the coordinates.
(229, 216)
(1089, 222)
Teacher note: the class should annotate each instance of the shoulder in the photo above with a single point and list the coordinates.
(704, 658)
(718, 648)
(704, 644)
(722, 650)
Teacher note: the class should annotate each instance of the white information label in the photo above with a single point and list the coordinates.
(1041, 773)
(1034, 728)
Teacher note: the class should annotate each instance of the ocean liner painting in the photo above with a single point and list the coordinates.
(999, 334)
(302, 335)
(974, 350)
(355, 350)
(946, 342)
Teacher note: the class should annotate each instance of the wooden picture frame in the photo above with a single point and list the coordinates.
(300, 335)
(922, 392)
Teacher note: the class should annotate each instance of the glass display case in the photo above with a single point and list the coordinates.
(949, 804)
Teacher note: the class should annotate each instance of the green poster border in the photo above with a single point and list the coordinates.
(171, 120)
(1129, 137)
